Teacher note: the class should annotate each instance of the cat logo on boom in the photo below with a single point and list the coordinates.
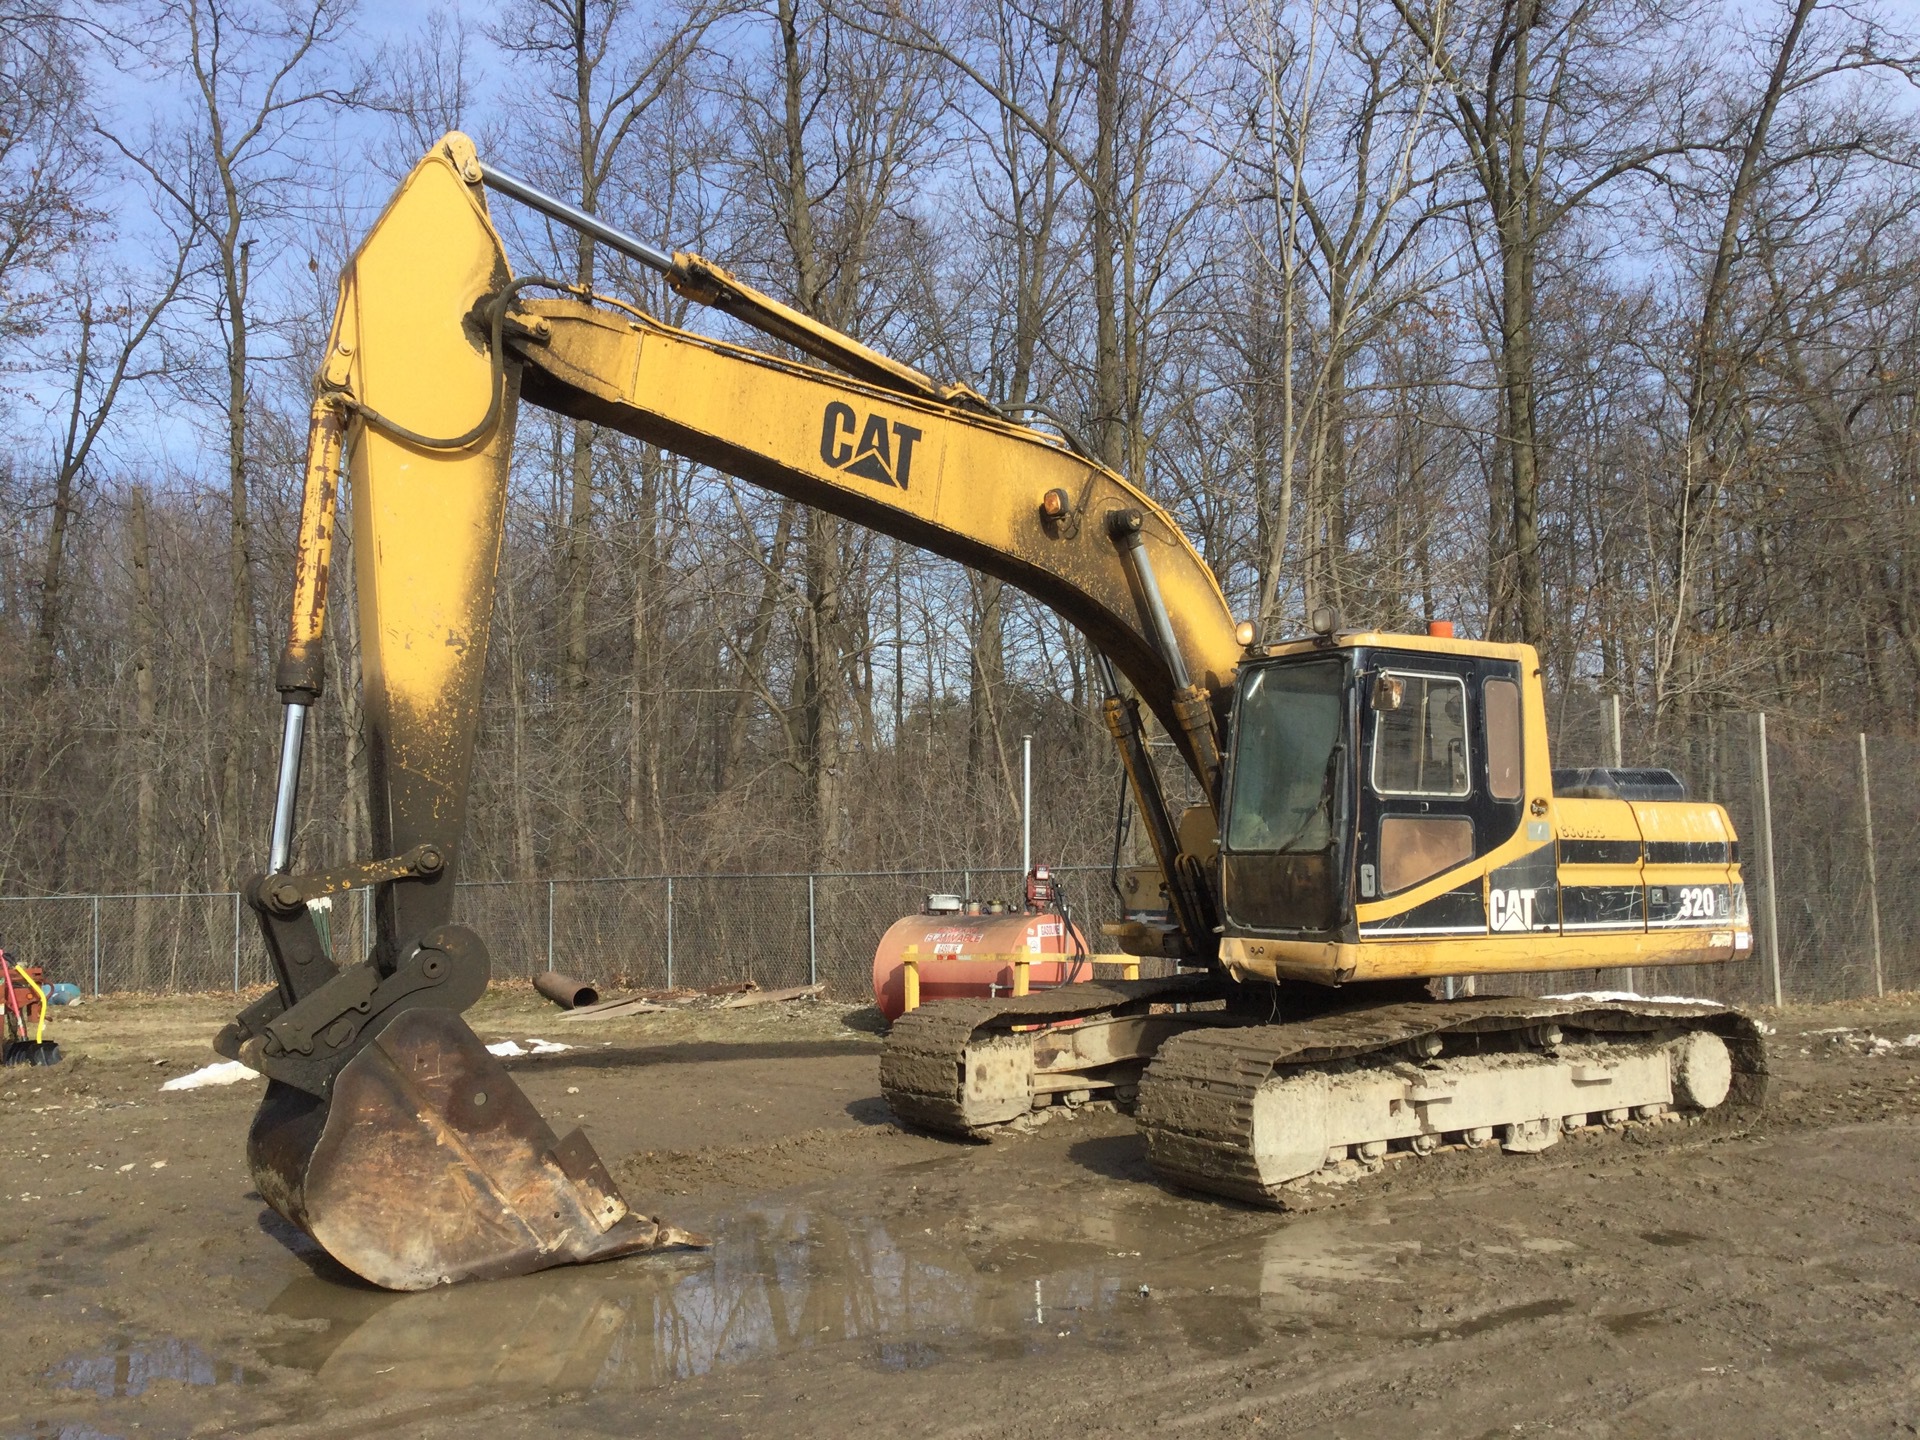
(877, 449)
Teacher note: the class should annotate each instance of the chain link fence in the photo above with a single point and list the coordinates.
(1829, 828)
(1839, 918)
(645, 932)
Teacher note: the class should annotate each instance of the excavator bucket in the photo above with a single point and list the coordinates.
(429, 1165)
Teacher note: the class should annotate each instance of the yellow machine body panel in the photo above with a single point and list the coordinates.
(407, 355)
(1477, 872)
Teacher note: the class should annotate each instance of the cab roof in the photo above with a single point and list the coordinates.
(1388, 640)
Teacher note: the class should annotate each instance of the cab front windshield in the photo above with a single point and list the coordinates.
(1286, 758)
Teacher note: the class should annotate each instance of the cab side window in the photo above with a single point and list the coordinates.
(1502, 701)
(1420, 735)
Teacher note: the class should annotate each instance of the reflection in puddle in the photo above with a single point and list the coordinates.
(1304, 1265)
(776, 1281)
(129, 1368)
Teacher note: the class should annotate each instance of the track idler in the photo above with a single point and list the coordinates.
(405, 1149)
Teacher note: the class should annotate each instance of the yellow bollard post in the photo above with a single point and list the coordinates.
(1132, 970)
(1020, 964)
(910, 978)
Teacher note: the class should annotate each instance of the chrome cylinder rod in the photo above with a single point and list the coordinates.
(1124, 529)
(556, 209)
(292, 736)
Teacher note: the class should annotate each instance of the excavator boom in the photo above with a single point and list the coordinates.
(388, 1133)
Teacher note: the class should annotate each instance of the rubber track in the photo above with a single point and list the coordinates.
(921, 1062)
(1196, 1099)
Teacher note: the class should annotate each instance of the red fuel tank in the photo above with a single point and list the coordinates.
(957, 934)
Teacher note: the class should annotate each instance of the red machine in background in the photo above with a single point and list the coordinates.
(24, 1002)
(966, 947)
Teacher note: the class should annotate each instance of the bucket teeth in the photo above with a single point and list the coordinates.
(429, 1165)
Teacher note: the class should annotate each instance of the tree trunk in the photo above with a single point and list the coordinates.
(818, 681)
(53, 567)
(751, 684)
(1109, 362)
(146, 788)
(235, 772)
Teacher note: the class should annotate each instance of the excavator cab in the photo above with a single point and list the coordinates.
(1358, 772)
(1390, 810)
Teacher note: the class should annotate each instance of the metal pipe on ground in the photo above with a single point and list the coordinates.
(565, 991)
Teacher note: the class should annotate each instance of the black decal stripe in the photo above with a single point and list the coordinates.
(1605, 906)
(1599, 852)
(1462, 911)
(1686, 852)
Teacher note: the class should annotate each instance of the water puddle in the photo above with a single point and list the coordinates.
(902, 1295)
(938, 1279)
(1307, 1266)
(131, 1366)
(777, 1281)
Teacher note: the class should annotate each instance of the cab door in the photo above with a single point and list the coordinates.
(1440, 785)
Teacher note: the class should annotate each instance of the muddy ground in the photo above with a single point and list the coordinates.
(1759, 1280)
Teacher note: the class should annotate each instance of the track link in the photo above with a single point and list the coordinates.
(1200, 1098)
(924, 1065)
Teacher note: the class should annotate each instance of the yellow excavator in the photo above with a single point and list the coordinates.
(1380, 815)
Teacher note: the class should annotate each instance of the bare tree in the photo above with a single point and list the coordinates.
(47, 168)
(605, 64)
(109, 336)
(1800, 60)
(1552, 108)
(257, 76)
(1341, 151)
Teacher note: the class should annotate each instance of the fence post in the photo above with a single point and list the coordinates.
(236, 942)
(669, 932)
(1026, 806)
(813, 948)
(366, 921)
(96, 945)
(1629, 980)
(1873, 875)
(1769, 914)
(549, 925)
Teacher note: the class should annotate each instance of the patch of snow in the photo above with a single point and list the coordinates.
(508, 1049)
(1609, 996)
(1864, 1042)
(223, 1072)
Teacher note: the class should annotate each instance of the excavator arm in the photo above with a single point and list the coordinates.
(388, 1133)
